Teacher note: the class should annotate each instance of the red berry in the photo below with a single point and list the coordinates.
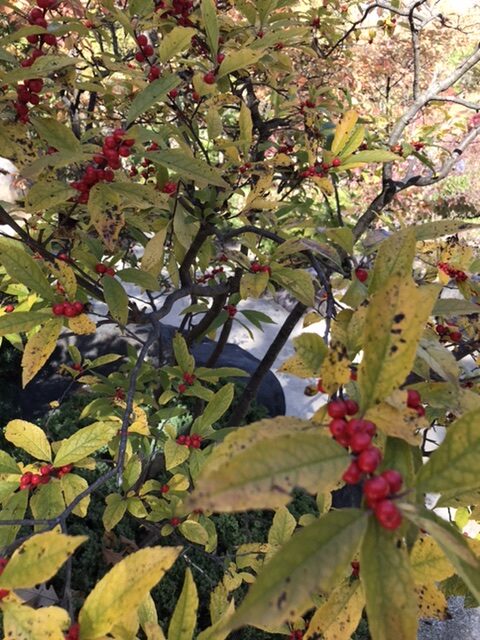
(420, 411)
(355, 569)
(164, 488)
(69, 310)
(455, 336)
(50, 39)
(100, 268)
(352, 407)
(220, 58)
(74, 632)
(9, 308)
(46, 469)
(182, 388)
(394, 479)
(142, 40)
(441, 329)
(353, 474)
(3, 593)
(336, 162)
(375, 489)
(78, 306)
(77, 367)
(181, 439)
(64, 256)
(388, 515)
(209, 78)
(369, 460)
(337, 409)
(320, 388)
(362, 274)
(338, 428)
(413, 398)
(359, 442)
(58, 309)
(175, 522)
(36, 480)
(110, 271)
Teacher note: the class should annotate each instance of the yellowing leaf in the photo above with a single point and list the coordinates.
(105, 214)
(116, 299)
(431, 601)
(66, 277)
(174, 42)
(194, 532)
(394, 258)
(246, 127)
(396, 318)
(124, 588)
(394, 418)
(253, 285)
(30, 438)
(175, 454)
(299, 283)
(184, 618)
(192, 168)
(114, 511)
(283, 526)
(210, 21)
(335, 370)
(343, 131)
(39, 348)
(428, 561)
(295, 367)
(38, 559)
(388, 583)
(21, 321)
(82, 325)
(312, 351)
(312, 561)
(152, 260)
(24, 623)
(258, 472)
(72, 485)
(154, 92)
(338, 617)
(84, 442)
(240, 59)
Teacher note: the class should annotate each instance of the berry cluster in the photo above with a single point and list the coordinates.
(256, 267)
(448, 332)
(114, 147)
(320, 169)
(296, 635)
(192, 442)
(3, 592)
(244, 167)
(209, 275)
(414, 401)
(68, 309)
(357, 434)
(307, 104)
(170, 188)
(231, 309)
(455, 274)
(31, 480)
(418, 146)
(119, 394)
(361, 274)
(103, 269)
(27, 93)
(74, 632)
(179, 10)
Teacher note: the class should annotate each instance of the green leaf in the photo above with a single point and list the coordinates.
(259, 465)
(152, 259)
(38, 559)
(21, 267)
(376, 155)
(253, 285)
(116, 299)
(451, 541)
(13, 509)
(240, 59)
(449, 307)
(343, 236)
(47, 195)
(56, 134)
(194, 532)
(141, 278)
(153, 93)
(354, 142)
(184, 618)
(174, 454)
(41, 68)
(395, 320)
(312, 561)
(30, 438)
(187, 166)
(21, 321)
(183, 356)
(210, 22)
(394, 258)
(84, 442)
(257, 317)
(343, 131)
(299, 283)
(123, 589)
(454, 464)
(175, 41)
(114, 511)
(442, 228)
(388, 583)
(215, 408)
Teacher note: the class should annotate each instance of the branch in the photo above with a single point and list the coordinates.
(464, 103)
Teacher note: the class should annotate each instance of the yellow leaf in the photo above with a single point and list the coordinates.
(311, 318)
(283, 526)
(84, 442)
(395, 321)
(30, 438)
(39, 348)
(124, 588)
(140, 422)
(295, 367)
(218, 631)
(184, 618)
(431, 601)
(335, 370)
(246, 127)
(343, 131)
(174, 42)
(82, 325)
(152, 260)
(24, 623)
(153, 631)
(252, 285)
(339, 616)
(395, 419)
(66, 277)
(72, 485)
(38, 559)
(114, 511)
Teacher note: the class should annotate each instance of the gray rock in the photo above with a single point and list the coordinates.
(463, 625)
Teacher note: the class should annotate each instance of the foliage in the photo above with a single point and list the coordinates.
(182, 153)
